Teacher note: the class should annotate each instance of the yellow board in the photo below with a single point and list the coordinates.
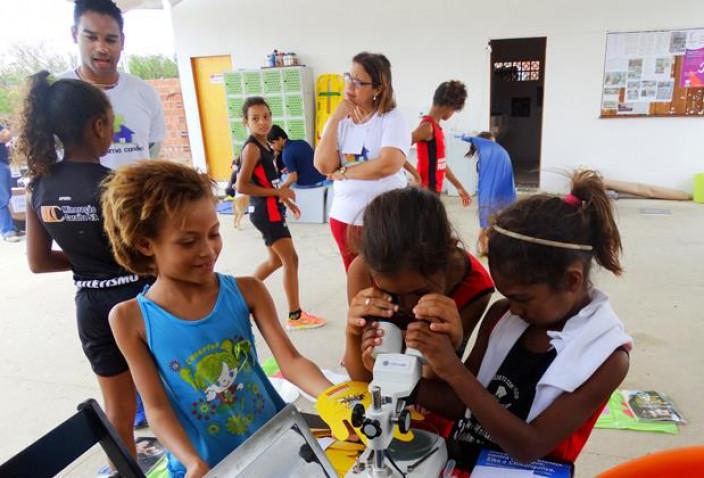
(214, 122)
(342, 455)
(328, 94)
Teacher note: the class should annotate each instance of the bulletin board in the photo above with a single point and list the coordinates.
(654, 74)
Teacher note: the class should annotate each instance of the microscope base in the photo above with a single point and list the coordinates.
(426, 454)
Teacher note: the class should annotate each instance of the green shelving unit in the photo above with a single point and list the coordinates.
(289, 92)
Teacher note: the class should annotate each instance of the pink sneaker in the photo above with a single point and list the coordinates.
(305, 321)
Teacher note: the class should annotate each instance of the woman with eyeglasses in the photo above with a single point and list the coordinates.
(363, 147)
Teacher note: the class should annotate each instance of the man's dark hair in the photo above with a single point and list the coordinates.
(275, 133)
(104, 7)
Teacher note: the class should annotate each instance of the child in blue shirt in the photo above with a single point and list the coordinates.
(495, 186)
(297, 156)
(188, 338)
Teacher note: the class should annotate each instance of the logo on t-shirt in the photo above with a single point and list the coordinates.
(229, 396)
(351, 159)
(507, 393)
(123, 135)
(53, 214)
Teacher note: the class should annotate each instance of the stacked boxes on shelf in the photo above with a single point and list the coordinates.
(289, 93)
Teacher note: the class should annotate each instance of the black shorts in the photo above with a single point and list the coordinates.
(92, 309)
(271, 231)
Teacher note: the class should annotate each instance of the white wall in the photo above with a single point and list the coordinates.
(432, 41)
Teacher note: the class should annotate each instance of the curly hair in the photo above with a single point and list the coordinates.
(451, 93)
(62, 110)
(550, 217)
(137, 198)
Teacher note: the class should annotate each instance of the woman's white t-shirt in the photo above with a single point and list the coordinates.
(358, 143)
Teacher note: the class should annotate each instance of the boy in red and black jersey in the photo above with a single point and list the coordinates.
(432, 165)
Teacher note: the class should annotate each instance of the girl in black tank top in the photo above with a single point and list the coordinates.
(548, 356)
(259, 178)
(513, 386)
(266, 175)
(64, 206)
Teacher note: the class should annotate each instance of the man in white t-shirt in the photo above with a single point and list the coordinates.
(139, 117)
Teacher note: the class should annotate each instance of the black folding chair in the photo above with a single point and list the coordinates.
(60, 447)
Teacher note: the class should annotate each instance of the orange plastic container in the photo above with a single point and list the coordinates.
(677, 463)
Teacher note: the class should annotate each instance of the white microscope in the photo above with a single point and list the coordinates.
(396, 375)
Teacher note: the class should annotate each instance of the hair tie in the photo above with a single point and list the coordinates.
(572, 200)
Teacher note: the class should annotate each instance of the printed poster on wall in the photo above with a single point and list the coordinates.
(639, 70)
(693, 69)
(678, 43)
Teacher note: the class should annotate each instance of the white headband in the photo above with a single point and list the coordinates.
(542, 242)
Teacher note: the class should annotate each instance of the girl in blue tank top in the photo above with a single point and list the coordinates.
(188, 338)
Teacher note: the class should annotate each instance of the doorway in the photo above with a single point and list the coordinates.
(214, 122)
(517, 90)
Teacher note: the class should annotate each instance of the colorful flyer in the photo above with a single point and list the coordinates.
(693, 69)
